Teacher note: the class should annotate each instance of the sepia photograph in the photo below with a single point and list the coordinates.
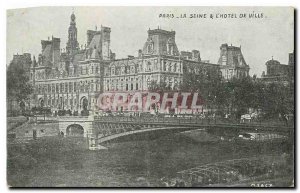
(172, 97)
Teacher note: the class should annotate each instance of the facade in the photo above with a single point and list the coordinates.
(158, 61)
(72, 78)
(277, 72)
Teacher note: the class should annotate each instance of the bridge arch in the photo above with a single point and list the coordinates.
(108, 135)
(75, 130)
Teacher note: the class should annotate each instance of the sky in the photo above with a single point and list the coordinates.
(271, 34)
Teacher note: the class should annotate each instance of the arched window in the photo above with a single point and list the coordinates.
(113, 71)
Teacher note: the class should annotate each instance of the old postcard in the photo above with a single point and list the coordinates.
(150, 97)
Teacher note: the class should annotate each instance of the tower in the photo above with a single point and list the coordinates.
(105, 38)
(232, 62)
(72, 44)
(160, 42)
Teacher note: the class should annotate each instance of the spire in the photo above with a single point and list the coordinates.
(72, 44)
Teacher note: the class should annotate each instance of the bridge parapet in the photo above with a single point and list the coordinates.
(101, 129)
(75, 118)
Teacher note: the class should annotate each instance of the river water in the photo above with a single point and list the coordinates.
(140, 162)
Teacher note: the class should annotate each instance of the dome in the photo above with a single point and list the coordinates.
(272, 62)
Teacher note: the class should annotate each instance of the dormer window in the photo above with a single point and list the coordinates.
(170, 46)
(150, 46)
(132, 69)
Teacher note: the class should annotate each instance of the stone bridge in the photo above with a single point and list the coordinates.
(102, 129)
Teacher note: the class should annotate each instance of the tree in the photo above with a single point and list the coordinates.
(279, 99)
(18, 86)
(208, 83)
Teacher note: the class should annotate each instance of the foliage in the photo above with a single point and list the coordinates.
(18, 86)
(237, 95)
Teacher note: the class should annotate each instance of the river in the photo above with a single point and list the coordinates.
(62, 162)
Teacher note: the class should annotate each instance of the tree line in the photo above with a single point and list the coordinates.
(238, 96)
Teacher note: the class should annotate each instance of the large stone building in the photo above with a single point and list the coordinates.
(277, 72)
(72, 78)
(158, 61)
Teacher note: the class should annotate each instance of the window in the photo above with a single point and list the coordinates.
(53, 88)
(224, 60)
(70, 87)
(66, 87)
(148, 68)
(57, 88)
(148, 81)
(61, 87)
(92, 87)
(113, 71)
(132, 69)
(75, 86)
